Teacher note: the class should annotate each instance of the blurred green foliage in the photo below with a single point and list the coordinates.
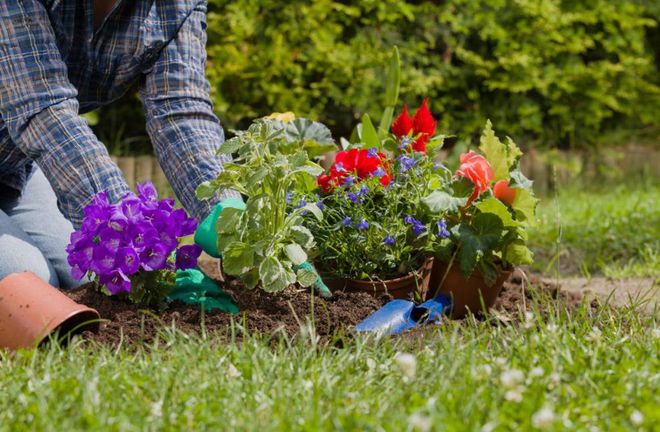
(560, 73)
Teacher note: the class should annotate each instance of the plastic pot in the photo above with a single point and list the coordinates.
(31, 309)
(467, 294)
(403, 287)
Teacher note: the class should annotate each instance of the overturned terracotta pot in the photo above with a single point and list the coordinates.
(31, 309)
(467, 294)
(404, 287)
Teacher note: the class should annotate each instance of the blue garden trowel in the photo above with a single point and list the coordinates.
(400, 315)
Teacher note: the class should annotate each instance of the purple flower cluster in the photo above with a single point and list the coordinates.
(443, 232)
(138, 233)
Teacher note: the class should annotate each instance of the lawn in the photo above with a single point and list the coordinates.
(550, 372)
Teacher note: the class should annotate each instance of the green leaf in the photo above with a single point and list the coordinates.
(205, 190)
(228, 221)
(302, 235)
(250, 278)
(369, 135)
(525, 205)
(519, 253)
(313, 208)
(302, 129)
(230, 146)
(476, 240)
(270, 270)
(494, 206)
(256, 177)
(393, 80)
(385, 122)
(442, 202)
(306, 277)
(237, 258)
(501, 156)
(295, 253)
(310, 168)
(520, 180)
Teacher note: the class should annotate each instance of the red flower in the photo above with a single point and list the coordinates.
(403, 124)
(477, 169)
(503, 192)
(422, 126)
(358, 163)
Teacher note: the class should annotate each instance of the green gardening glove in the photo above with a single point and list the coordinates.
(206, 236)
(195, 288)
(319, 285)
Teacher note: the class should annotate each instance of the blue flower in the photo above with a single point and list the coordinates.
(388, 240)
(406, 162)
(372, 152)
(302, 203)
(405, 142)
(339, 166)
(364, 190)
(437, 166)
(353, 197)
(379, 172)
(320, 205)
(418, 228)
(363, 224)
(289, 196)
(348, 181)
(347, 221)
(411, 220)
(442, 229)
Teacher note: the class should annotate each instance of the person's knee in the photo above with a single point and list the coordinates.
(17, 256)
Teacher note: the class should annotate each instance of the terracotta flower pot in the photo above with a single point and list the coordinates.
(403, 287)
(31, 309)
(466, 294)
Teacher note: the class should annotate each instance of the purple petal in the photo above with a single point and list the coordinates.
(154, 257)
(186, 257)
(103, 261)
(116, 282)
(129, 262)
(147, 191)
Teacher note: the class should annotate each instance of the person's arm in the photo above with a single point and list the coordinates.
(39, 107)
(180, 120)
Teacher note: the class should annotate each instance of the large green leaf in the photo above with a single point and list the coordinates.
(519, 253)
(302, 129)
(525, 205)
(205, 190)
(306, 277)
(442, 202)
(295, 253)
(302, 235)
(228, 222)
(519, 179)
(270, 270)
(230, 146)
(501, 156)
(477, 239)
(369, 135)
(237, 258)
(494, 206)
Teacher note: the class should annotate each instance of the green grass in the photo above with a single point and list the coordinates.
(612, 230)
(586, 373)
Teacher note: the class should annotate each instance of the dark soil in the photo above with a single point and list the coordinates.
(273, 313)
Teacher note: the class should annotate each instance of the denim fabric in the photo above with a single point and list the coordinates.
(33, 233)
(54, 65)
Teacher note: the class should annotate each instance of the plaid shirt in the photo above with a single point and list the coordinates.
(54, 65)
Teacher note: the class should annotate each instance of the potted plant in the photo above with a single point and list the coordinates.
(376, 235)
(487, 205)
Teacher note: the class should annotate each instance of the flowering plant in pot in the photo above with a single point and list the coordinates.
(131, 248)
(375, 230)
(265, 243)
(488, 207)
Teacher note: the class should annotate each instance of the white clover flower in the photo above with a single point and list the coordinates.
(500, 361)
(537, 372)
(552, 328)
(488, 427)
(485, 369)
(420, 422)
(407, 363)
(637, 418)
(514, 395)
(543, 418)
(512, 378)
(232, 372)
(371, 363)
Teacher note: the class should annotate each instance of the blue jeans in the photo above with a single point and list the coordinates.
(34, 234)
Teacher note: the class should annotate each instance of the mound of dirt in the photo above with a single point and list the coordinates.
(269, 313)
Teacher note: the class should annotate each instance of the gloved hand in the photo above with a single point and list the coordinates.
(206, 236)
(195, 288)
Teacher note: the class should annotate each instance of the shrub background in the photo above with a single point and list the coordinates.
(558, 73)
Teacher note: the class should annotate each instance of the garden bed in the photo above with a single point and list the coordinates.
(283, 312)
